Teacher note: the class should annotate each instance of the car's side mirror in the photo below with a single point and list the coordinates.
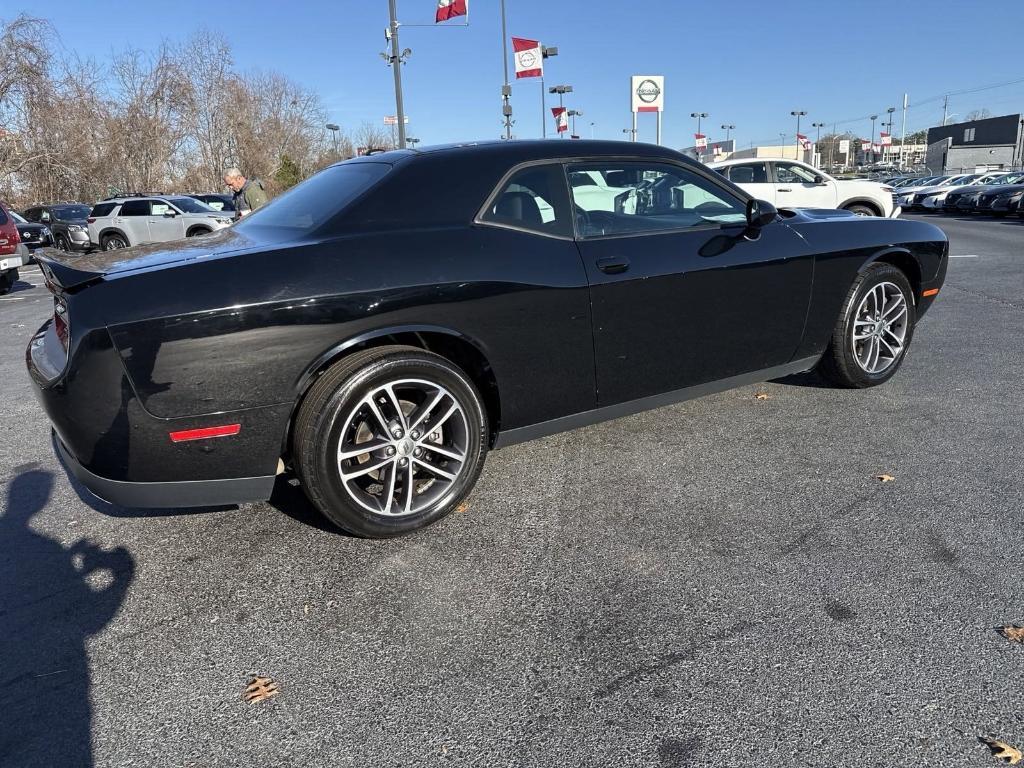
(819, 179)
(170, 214)
(760, 213)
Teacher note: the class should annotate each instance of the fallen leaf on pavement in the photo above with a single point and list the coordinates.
(885, 478)
(762, 396)
(1002, 751)
(261, 689)
(1012, 632)
(464, 506)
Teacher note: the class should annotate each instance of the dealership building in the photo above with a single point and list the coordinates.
(991, 143)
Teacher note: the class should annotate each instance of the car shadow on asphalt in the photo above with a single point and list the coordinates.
(52, 599)
(806, 379)
(289, 499)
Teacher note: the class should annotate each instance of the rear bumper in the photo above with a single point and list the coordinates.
(180, 493)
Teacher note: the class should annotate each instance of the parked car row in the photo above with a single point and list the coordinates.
(996, 192)
(116, 222)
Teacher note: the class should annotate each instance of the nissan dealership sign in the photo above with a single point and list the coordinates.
(647, 93)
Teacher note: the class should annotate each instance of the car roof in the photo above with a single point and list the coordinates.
(516, 151)
(737, 160)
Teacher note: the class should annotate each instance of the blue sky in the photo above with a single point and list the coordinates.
(745, 63)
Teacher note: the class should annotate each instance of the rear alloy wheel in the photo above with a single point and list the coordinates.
(873, 332)
(389, 440)
(113, 242)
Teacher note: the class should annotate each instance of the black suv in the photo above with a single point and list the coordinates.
(66, 222)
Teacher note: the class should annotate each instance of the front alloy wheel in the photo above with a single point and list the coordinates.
(880, 328)
(389, 440)
(874, 330)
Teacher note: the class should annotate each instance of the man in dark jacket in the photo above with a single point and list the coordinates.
(249, 193)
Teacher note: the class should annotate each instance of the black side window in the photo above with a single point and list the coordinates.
(748, 173)
(102, 209)
(32, 214)
(536, 199)
(3, 215)
(135, 208)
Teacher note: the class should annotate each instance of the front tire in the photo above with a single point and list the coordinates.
(861, 210)
(874, 330)
(198, 231)
(7, 281)
(61, 243)
(389, 440)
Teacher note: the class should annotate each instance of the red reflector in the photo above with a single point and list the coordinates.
(90, 220)
(205, 432)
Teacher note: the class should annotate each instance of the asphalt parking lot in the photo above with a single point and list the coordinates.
(719, 583)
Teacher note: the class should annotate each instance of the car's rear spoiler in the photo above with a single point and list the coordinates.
(64, 273)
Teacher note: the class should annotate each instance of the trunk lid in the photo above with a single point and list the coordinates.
(68, 271)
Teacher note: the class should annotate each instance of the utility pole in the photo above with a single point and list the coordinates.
(945, 107)
(396, 60)
(506, 89)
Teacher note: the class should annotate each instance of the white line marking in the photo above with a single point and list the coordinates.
(964, 256)
(13, 298)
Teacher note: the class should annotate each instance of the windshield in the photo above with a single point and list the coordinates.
(17, 218)
(963, 180)
(309, 205)
(190, 205)
(69, 212)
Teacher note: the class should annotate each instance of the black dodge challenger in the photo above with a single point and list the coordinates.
(380, 327)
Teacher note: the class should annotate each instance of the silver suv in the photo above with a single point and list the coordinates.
(124, 221)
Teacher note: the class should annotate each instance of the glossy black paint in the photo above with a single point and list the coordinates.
(233, 327)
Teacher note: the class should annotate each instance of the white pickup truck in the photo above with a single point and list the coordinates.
(792, 184)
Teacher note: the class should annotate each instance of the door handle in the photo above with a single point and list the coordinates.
(784, 189)
(613, 265)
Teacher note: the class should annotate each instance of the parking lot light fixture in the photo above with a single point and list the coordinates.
(561, 90)
(798, 113)
(546, 52)
(699, 116)
(817, 139)
(334, 128)
(631, 132)
(873, 118)
(727, 128)
(573, 113)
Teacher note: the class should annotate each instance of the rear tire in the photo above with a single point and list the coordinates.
(883, 329)
(113, 242)
(198, 231)
(7, 281)
(424, 429)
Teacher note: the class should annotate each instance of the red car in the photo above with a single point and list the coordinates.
(10, 255)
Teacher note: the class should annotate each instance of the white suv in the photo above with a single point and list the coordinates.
(792, 184)
(124, 221)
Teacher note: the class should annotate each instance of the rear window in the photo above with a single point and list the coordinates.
(102, 209)
(69, 212)
(307, 206)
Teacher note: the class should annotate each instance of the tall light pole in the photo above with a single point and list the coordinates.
(412, 142)
(817, 139)
(728, 128)
(506, 89)
(699, 116)
(631, 132)
(798, 113)
(572, 114)
(592, 130)
(333, 128)
(546, 52)
(561, 90)
(873, 158)
(888, 153)
(396, 60)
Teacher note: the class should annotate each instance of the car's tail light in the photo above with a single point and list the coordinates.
(9, 239)
(91, 220)
(61, 322)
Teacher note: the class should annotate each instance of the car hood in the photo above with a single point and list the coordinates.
(80, 222)
(29, 226)
(69, 271)
(1004, 189)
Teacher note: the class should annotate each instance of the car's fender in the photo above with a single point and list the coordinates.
(111, 231)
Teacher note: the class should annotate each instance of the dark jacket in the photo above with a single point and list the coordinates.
(250, 197)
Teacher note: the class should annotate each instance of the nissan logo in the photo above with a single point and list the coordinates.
(648, 91)
(527, 59)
